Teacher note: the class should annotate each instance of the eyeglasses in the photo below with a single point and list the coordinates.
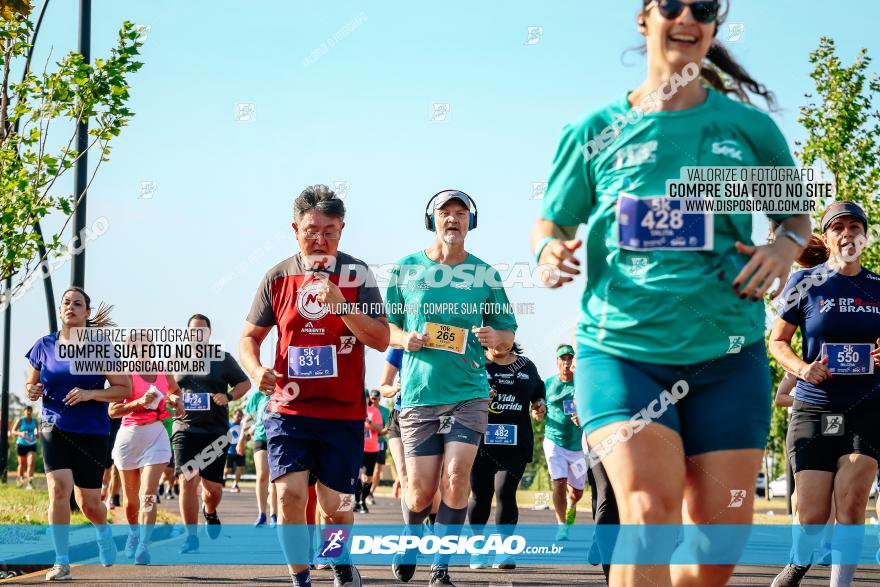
(330, 235)
(704, 12)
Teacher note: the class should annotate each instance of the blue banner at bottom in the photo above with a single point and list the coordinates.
(526, 544)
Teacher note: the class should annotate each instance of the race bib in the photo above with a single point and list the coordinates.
(568, 407)
(311, 362)
(501, 434)
(849, 359)
(659, 223)
(445, 337)
(196, 402)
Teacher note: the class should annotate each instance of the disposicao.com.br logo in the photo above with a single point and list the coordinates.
(449, 544)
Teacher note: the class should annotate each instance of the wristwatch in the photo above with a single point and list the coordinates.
(791, 235)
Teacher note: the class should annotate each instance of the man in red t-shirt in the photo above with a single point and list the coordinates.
(326, 308)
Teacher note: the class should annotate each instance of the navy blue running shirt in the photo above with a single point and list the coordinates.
(88, 417)
(834, 308)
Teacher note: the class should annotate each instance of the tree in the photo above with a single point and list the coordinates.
(51, 100)
(842, 126)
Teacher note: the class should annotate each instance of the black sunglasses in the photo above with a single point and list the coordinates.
(704, 11)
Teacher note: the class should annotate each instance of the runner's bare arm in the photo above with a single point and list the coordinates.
(249, 352)
(372, 332)
(784, 398)
(123, 408)
(387, 386)
(120, 389)
(780, 348)
(558, 252)
(772, 261)
(240, 389)
(408, 341)
(33, 389)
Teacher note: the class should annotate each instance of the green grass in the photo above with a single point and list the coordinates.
(19, 506)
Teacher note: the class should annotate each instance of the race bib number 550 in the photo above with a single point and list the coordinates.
(659, 223)
(849, 359)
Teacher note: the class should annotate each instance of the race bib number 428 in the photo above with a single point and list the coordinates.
(660, 223)
(849, 359)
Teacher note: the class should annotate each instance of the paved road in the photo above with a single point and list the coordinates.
(240, 508)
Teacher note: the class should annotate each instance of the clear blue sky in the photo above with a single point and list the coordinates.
(360, 112)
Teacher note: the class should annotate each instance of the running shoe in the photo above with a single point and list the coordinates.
(439, 577)
(365, 509)
(59, 573)
(235, 489)
(261, 520)
(29, 487)
(570, 515)
(107, 550)
(273, 521)
(594, 557)
(404, 565)
(790, 576)
(346, 576)
(213, 524)
(562, 533)
(131, 544)
(479, 561)
(370, 500)
(190, 544)
(142, 556)
(505, 563)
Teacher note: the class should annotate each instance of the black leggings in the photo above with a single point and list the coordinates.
(605, 512)
(488, 477)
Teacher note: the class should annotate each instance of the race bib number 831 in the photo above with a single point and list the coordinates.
(311, 362)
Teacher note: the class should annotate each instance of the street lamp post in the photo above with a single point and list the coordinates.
(81, 171)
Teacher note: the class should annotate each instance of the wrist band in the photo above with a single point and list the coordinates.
(540, 248)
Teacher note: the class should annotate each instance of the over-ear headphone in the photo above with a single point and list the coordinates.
(429, 211)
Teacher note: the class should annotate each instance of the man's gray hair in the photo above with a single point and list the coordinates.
(321, 198)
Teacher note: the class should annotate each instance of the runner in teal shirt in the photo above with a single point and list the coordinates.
(444, 305)
(559, 427)
(663, 338)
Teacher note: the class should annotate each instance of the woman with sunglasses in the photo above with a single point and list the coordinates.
(676, 401)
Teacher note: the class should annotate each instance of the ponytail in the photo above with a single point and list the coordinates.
(102, 317)
(724, 74)
(815, 253)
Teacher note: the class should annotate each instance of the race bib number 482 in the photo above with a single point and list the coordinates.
(660, 223)
(849, 359)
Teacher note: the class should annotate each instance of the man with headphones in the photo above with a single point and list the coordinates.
(444, 306)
